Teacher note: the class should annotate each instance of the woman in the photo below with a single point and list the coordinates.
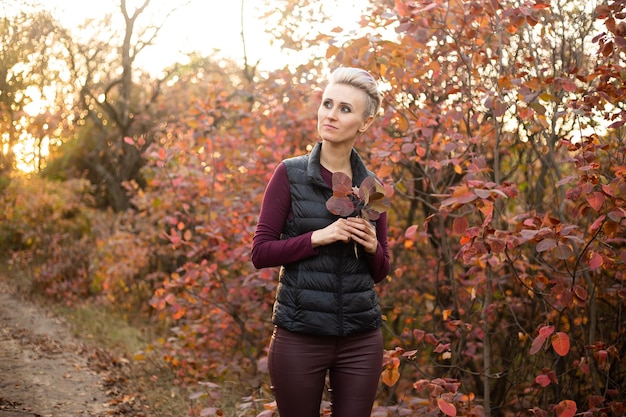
(326, 313)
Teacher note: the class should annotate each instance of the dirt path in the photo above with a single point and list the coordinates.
(44, 371)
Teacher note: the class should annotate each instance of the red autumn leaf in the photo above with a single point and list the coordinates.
(487, 210)
(546, 244)
(536, 345)
(543, 380)
(601, 356)
(402, 8)
(178, 312)
(546, 331)
(595, 200)
(431, 339)
(465, 239)
(560, 343)
(372, 193)
(157, 303)
(482, 193)
(566, 408)
(340, 206)
(596, 261)
(446, 408)
(580, 292)
(616, 215)
(461, 195)
(371, 189)
(568, 85)
(342, 184)
(459, 225)
(466, 197)
(597, 223)
(409, 233)
(170, 299)
(618, 408)
(563, 251)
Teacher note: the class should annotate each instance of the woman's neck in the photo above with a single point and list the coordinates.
(336, 158)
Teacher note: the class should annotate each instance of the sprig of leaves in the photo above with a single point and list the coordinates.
(368, 201)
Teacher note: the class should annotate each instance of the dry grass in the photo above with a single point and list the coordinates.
(143, 384)
(146, 377)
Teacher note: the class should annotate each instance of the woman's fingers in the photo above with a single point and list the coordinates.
(344, 230)
(363, 232)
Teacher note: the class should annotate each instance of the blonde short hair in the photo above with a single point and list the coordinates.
(363, 80)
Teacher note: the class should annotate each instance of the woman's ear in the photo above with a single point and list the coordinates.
(366, 124)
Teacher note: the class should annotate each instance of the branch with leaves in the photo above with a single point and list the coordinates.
(368, 201)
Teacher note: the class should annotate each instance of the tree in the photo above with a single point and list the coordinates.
(483, 111)
(501, 138)
(476, 140)
(116, 101)
(28, 71)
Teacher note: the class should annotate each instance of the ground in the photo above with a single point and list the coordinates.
(47, 372)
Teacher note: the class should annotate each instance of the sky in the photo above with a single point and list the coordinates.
(199, 26)
(203, 26)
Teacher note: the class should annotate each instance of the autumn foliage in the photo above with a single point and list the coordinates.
(501, 146)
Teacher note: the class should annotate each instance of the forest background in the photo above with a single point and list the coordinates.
(500, 143)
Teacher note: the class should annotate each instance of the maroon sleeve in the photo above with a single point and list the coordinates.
(268, 250)
(379, 262)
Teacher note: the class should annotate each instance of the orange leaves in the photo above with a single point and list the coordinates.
(443, 393)
(402, 8)
(406, 8)
(461, 195)
(391, 373)
(468, 193)
(158, 300)
(566, 408)
(446, 407)
(560, 341)
(384, 171)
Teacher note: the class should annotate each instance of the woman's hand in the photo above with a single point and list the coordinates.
(344, 230)
(339, 231)
(364, 233)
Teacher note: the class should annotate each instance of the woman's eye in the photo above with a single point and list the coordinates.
(328, 104)
(346, 109)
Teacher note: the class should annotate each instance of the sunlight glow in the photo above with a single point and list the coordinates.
(30, 151)
(209, 27)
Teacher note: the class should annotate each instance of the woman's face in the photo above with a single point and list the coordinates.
(340, 116)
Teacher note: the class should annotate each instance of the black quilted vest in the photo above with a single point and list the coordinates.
(332, 293)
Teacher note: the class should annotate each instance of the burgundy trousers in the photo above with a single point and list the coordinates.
(298, 364)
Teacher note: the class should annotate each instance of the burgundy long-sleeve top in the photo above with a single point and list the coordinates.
(268, 250)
